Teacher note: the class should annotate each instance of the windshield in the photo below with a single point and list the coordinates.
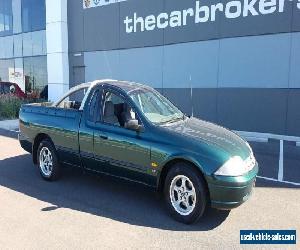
(155, 107)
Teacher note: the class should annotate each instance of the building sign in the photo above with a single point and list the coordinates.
(97, 3)
(140, 23)
(200, 13)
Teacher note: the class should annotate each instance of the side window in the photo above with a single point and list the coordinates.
(6, 89)
(116, 110)
(74, 100)
(93, 112)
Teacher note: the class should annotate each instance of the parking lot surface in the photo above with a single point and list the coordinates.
(82, 211)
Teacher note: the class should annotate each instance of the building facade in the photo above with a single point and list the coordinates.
(233, 62)
(23, 43)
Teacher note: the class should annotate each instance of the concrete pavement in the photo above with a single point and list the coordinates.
(85, 212)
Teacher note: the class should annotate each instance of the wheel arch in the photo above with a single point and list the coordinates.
(37, 140)
(171, 162)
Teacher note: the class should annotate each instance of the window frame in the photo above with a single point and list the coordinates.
(97, 115)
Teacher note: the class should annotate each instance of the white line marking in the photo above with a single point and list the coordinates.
(280, 168)
(286, 182)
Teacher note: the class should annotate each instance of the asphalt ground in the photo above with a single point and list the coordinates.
(81, 211)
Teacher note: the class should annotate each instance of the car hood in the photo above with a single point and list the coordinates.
(211, 134)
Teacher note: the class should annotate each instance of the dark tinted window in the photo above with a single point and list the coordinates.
(6, 88)
(6, 27)
(33, 15)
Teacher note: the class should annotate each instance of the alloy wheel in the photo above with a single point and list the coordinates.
(183, 195)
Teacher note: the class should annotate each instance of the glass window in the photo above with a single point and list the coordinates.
(2, 48)
(27, 44)
(9, 46)
(6, 88)
(18, 76)
(117, 111)
(33, 15)
(18, 48)
(6, 47)
(5, 17)
(155, 107)
(38, 40)
(34, 43)
(73, 100)
(17, 16)
(35, 71)
(6, 66)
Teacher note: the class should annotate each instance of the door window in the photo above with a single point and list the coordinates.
(116, 110)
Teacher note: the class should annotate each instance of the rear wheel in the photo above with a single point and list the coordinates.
(185, 193)
(47, 161)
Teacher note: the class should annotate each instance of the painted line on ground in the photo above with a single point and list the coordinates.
(280, 167)
(275, 180)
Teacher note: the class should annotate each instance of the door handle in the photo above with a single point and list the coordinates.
(104, 137)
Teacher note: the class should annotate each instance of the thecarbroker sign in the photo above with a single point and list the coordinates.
(204, 13)
(172, 21)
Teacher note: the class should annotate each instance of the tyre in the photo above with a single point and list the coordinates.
(47, 161)
(185, 193)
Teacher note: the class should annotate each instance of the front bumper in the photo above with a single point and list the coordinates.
(230, 192)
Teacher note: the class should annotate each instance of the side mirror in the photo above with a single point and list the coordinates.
(133, 125)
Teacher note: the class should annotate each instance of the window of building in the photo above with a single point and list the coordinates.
(34, 43)
(35, 72)
(6, 18)
(33, 15)
(18, 46)
(6, 66)
(17, 16)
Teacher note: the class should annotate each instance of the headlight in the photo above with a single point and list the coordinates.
(236, 166)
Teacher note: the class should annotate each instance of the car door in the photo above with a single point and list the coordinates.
(120, 151)
(91, 115)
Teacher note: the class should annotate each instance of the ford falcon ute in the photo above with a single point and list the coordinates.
(131, 131)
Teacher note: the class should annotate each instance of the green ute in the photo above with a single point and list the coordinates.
(129, 130)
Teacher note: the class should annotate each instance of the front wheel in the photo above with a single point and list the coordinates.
(47, 161)
(185, 193)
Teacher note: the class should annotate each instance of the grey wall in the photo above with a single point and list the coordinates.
(103, 28)
(241, 73)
